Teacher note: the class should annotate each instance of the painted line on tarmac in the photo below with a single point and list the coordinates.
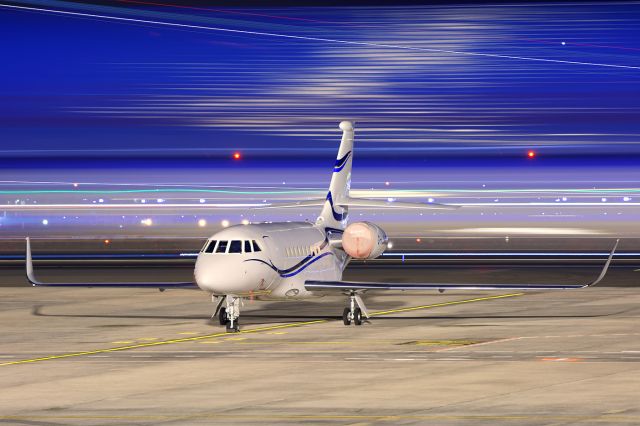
(151, 344)
(436, 305)
(253, 330)
(586, 418)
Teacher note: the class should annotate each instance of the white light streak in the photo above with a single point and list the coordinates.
(318, 39)
(128, 206)
(525, 231)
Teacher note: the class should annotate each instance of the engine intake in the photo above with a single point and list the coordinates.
(364, 240)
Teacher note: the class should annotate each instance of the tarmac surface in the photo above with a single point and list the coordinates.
(141, 357)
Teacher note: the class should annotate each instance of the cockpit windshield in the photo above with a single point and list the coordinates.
(211, 246)
(231, 247)
(222, 247)
(235, 247)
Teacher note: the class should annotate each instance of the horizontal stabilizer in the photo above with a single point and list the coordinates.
(361, 202)
(293, 204)
(355, 286)
(159, 285)
(385, 204)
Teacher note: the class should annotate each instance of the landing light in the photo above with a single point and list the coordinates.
(531, 154)
(237, 156)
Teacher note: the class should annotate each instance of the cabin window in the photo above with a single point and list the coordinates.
(247, 246)
(256, 247)
(211, 246)
(235, 247)
(222, 247)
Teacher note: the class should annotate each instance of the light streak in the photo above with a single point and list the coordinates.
(125, 206)
(317, 39)
(150, 190)
(524, 253)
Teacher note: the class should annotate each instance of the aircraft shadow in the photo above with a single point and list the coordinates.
(272, 318)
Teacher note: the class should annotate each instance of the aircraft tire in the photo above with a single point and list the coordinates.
(357, 316)
(346, 319)
(235, 328)
(222, 316)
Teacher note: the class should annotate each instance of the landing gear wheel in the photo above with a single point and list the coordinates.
(357, 316)
(235, 328)
(346, 316)
(222, 316)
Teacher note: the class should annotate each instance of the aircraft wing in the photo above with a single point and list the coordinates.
(356, 286)
(159, 285)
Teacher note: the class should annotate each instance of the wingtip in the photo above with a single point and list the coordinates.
(29, 264)
(606, 265)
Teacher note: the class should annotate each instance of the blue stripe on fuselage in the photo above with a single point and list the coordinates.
(285, 273)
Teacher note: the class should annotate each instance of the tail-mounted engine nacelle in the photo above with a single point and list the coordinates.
(364, 240)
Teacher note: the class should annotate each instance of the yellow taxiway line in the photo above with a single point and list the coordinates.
(252, 330)
(437, 305)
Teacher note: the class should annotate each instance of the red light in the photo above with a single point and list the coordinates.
(236, 156)
(531, 154)
(418, 240)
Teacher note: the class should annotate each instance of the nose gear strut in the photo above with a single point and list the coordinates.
(231, 313)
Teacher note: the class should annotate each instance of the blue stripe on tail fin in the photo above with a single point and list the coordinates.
(334, 214)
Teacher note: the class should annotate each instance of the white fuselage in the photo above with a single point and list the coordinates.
(268, 261)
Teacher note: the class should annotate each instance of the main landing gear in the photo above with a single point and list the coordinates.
(229, 314)
(354, 311)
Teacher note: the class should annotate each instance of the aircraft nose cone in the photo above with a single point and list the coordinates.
(221, 276)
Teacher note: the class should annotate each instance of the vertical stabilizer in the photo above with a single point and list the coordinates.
(333, 214)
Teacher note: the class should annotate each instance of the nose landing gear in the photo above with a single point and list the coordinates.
(353, 312)
(232, 313)
(228, 315)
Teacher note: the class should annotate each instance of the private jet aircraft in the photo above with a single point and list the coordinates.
(299, 260)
